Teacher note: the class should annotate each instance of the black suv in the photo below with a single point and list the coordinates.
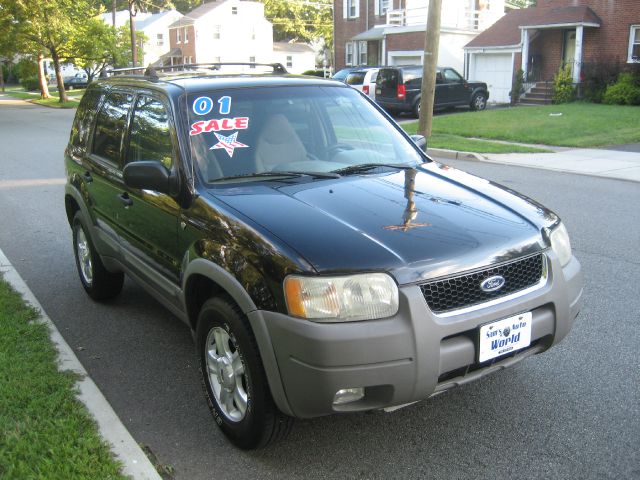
(323, 262)
(398, 89)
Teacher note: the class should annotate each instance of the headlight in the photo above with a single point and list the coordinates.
(560, 244)
(356, 297)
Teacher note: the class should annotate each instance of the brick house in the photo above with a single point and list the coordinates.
(392, 32)
(542, 39)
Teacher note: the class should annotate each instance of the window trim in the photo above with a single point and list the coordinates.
(178, 36)
(632, 34)
(217, 32)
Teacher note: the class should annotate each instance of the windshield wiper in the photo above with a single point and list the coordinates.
(363, 167)
(273, 173)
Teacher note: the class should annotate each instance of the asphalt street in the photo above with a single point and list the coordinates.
(572, 412)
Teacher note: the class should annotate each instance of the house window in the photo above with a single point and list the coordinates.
(383, 6)
(186, 35)
(234, 10)
(348, 53)
(634, 44)
(351, 9)
(252, 60)
(253, 33)
(160, 39)
(216, 59)
(289, 61)
(178, 36)
(216, 32)
(362, 53)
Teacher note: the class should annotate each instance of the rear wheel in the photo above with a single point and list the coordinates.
(479, 101)
(416, 109)
(97, 281)
(233, 377)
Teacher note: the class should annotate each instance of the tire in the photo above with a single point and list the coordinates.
(478, 101)
(233, 377)
(416, 109)
(97, 281)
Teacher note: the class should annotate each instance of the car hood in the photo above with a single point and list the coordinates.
(416, 224)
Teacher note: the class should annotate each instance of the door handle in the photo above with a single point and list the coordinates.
(124, 198)
(87, 177)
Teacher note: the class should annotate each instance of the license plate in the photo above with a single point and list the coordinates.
(505, 336)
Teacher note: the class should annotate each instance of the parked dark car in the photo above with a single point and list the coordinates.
(79, 80)
(323, 262)
(398, 90)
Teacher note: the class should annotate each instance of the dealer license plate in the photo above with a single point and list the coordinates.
(505, 336)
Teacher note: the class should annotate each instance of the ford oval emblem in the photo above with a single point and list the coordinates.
(492, 284)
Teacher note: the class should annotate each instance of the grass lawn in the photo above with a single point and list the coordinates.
(462, 144)
(580, 125)
(45, 432)
(54, 101)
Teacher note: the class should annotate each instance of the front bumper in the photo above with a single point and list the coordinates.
(405, 358)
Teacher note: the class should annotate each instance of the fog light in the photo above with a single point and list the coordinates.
(348, 395)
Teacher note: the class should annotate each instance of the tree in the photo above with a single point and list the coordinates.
(300, 20)
(51, 27)
(100, 45)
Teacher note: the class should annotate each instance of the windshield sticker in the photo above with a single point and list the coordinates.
(218, 124)
(204, 105)
(228, 143)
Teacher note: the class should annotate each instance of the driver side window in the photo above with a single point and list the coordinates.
(150, 138)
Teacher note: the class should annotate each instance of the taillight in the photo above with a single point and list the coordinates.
(365, 89)
(402, 92)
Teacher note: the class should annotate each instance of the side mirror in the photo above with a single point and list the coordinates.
(149, 175)
(420, 141)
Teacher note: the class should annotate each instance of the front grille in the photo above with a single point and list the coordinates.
(464, 291)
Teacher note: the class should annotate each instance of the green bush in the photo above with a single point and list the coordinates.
(563, 89)
(517, 86)
(30, 83)
(626, 91)
(26, 68)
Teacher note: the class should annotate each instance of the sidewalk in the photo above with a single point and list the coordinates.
(620, 164)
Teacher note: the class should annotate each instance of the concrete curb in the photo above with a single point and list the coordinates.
(135, 462)
(454, 154)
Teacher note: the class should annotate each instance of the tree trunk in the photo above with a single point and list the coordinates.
(1, 77)
(56, 65)
(42, 79)
(429, 68)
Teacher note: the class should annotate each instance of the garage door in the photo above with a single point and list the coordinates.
(495, 70)
(404, 59)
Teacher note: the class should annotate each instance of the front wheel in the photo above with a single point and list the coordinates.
(97, 281)
(233, 377)
(416, 109)
(479, 101)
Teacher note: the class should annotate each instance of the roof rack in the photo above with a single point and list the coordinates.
(151, 72)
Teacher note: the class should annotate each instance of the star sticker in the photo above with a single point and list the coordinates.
(228, 143)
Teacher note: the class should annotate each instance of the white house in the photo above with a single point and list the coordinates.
(155, 28)
(223, 31)
(296, 57)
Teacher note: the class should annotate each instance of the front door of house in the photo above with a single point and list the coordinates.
(569, 49)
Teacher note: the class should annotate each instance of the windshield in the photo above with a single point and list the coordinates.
(239, 133)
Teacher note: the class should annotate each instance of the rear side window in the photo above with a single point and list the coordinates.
(85, 115)
(413, 74)
(388, 78)
(150, 138)
(110, 126)
(356, 78)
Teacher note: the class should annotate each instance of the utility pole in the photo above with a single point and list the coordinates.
(113, 13)
(132, 25)
(429, 68)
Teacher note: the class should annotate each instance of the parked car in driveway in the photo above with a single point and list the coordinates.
(398, 89)
(79, 80)
(323, 262)
(364, 80)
